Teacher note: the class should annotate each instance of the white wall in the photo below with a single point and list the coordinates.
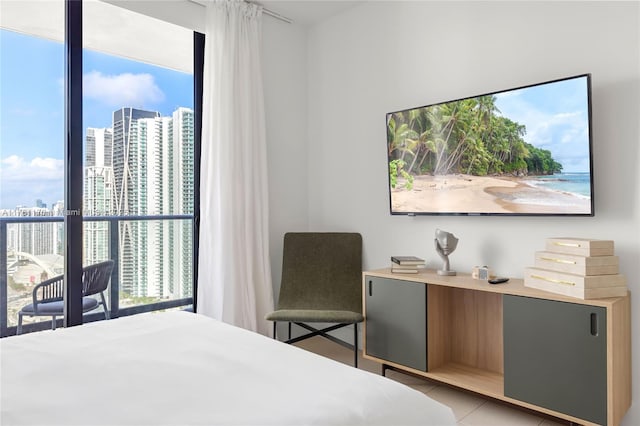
(284, 62)
(386, 56)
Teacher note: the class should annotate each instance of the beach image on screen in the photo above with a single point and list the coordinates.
(521, 151)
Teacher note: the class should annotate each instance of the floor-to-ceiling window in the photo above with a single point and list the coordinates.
(138, 164)
(138, 114)
(31, 154)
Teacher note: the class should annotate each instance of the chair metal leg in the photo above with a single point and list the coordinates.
(289, 338)
(104, 306)
(274, 329)
(355, 344)
(53, 323)
(323, 332)
(19, 330)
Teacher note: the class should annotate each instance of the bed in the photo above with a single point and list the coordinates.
(180, 368)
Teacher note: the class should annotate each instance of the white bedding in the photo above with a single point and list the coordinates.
(179, 368)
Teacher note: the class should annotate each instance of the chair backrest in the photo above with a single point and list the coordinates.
(95, 278)
(321, 270)
(51, 290)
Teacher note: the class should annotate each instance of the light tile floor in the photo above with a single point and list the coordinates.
(469, 409)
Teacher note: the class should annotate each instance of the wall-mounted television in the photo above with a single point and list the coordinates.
(521, 151)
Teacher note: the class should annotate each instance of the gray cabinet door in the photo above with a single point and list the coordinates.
(396, 321)
(555, 356)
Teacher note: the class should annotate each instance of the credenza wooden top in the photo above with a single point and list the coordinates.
(514, 286)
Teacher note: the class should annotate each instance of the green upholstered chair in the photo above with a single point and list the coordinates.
(321, 283)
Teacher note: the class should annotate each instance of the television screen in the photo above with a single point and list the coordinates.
(522, 151)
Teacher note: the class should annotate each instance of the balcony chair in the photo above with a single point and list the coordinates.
(321, 283)
(48, 296)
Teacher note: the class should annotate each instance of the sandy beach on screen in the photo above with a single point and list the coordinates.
(482, 194)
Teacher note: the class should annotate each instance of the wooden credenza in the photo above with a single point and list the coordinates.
(562, 356)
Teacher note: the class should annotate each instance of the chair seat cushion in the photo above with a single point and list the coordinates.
(313, 315)
(56, 308)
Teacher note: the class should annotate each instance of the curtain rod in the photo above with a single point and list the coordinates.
(266, 11)
(276, 15)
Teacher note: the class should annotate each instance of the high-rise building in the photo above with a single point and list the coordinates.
(153, 175)
(182, 192)
(126, 157)
(34, 238)
(99, 148)
(98, 193)
(98, 201)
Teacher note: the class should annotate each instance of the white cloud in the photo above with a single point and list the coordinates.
(136, 90)
(24, 181)
(560, 129)
(17, 169)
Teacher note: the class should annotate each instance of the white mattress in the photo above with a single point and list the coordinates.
(179, 368)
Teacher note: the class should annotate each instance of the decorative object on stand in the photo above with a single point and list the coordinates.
(445, 243)
(577, 267)
(406, 264)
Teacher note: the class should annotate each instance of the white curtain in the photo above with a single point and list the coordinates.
(234, 274)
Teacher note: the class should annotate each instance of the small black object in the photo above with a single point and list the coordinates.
(498, 280)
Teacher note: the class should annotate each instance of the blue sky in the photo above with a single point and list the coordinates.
(32, 109)
(556, 118)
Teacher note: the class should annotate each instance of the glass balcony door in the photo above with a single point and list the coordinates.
(138, 111)
(31, 154)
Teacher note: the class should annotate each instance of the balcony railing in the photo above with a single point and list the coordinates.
(116, 308)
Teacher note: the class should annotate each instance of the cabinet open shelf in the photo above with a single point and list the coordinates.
(471, 378)
(464, 327)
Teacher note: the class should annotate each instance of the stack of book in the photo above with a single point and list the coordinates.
(577, 267)
(406, 264)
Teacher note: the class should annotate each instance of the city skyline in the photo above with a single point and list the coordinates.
(153, 158)
(32, 111)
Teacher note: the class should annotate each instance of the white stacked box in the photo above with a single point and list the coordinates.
(577, 267)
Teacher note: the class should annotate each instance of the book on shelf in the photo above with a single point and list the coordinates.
(405, 269)
(407, 260)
